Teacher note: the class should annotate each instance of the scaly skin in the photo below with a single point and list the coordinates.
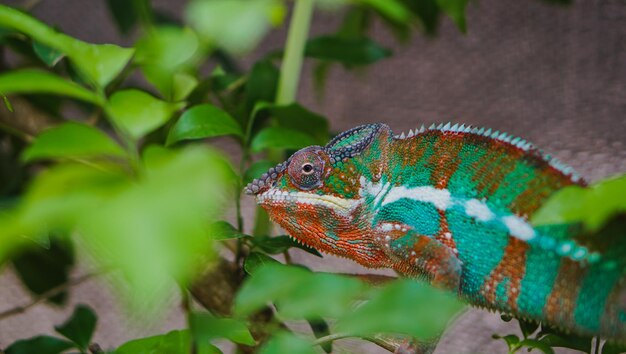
(451, 205)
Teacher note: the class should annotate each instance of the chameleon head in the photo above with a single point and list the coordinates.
(315, 195)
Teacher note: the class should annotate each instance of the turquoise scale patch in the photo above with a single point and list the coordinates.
(422, 216)
(481, 247)
(404, 242)
(501, 296)
(542, 269)
(461, 182)
(418, 174)
(594, 291)
(513, 184)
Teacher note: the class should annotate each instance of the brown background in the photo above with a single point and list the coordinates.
(553, 75)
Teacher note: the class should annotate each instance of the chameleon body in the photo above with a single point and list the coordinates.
(451, 204)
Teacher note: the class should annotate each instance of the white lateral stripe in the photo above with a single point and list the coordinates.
(479, 210)
(440, 198)
(376, 189)
(518, 227)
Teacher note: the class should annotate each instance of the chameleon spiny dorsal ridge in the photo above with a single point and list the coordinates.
(450, 204)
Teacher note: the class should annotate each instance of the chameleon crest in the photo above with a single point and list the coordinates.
(451, 204)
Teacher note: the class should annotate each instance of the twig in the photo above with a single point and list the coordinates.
(236, 84)
(94, 348)
(186, 305)
(331, 338)
(386, 342)
(287, 257)
(48, 294)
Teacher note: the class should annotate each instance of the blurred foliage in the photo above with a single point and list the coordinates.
(127, 178)
(592, 207)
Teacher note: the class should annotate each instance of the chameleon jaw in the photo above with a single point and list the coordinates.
(340, 205)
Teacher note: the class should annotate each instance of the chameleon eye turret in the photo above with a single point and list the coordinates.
(306, 168)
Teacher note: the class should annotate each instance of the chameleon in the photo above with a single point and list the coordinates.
(451, 204)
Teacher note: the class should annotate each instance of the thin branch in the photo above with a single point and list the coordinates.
(48, 294)
(331, 338)
(287, 257)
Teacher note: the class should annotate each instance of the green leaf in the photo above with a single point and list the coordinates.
(164, 52)
(592, 206)
(613, 348)
(203, 121)
(79, 327)
(391, 9)
(139, 113)
(320, 295)
(58, 197)
(183, 86)
(37, 81)
(72, 140)
(39, 345)
(536, 344)
(123, 13)
(280, 138)
(152, 228)
(206, 327)
(512, 341)
(528, 327)
(296, 117)
(429, 13)
(285, 342)
(174, 342)
(256, 260)
(348, 51)
(302, 294)
(428, 315)
(280, 244)
(234, 25)
(156, 230)
(222, 230)
(98, 63)
(261, 85)
(49, 56)
(556, 339)
(456, 10)
(41, 270)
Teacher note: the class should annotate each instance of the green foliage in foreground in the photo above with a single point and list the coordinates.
(592, 207)
(128, 182)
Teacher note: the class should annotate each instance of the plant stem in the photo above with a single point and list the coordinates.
(186, 305)
(294, 51)
(48, 294)
(331, 337)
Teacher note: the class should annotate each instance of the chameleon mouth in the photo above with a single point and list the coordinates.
(276, 195)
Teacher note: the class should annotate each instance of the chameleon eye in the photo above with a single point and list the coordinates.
(305, 169)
